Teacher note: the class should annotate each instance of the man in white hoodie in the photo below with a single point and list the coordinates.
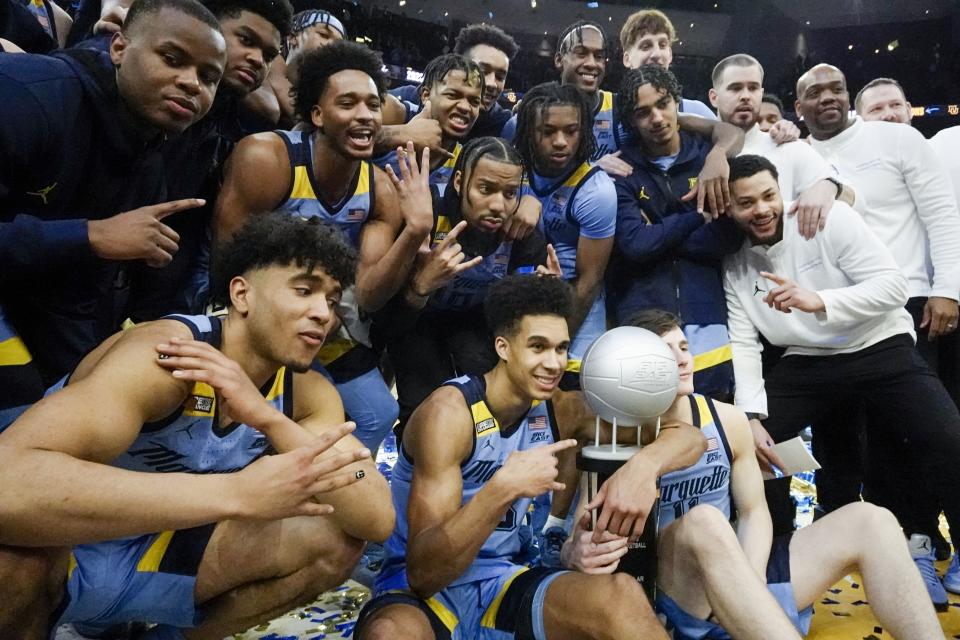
(905, 197)
(835, 303)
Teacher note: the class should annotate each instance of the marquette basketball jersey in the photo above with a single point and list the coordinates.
(304, 199)
(605, 126)
(707, 481)
(442, 175)
(493, 443)
(469, 287)
(439, 177)
(191, 439)
(556, 217)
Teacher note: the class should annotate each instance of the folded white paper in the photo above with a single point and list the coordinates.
(796, 458)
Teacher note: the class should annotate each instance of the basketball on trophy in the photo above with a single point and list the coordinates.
(629, 374)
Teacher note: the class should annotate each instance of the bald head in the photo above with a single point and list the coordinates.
(823, 101)
(819, 70)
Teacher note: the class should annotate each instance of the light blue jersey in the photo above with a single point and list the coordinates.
(469, 288)
(439, 177)
(152, 578)
(304, 199)
(606, 128)
(707, 481)
(493, 443)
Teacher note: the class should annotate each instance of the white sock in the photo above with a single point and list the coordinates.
(553, 521)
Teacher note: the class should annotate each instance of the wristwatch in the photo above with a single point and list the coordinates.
(838, 185)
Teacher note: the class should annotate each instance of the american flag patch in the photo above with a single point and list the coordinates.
(603, 124)
(712, 444)
(537, 422)
(356, 214)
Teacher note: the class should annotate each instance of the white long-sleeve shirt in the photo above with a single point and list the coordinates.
(905, 196)
(799, 166)
(862, 288)
(947, 144)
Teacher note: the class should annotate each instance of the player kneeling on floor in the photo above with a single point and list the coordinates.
(157, 443)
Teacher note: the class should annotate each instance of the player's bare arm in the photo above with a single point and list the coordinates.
(754, 527)
(256, 179)
(592, 258)
(390, 239)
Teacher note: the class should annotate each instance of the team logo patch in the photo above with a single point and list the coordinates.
(539, 436)
(355, 215)
(537, 422)
(199, 404)
(486, 425)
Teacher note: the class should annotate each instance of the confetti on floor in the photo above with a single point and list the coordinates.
(843, 612)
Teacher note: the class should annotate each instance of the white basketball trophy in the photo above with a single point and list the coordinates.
(629, 376)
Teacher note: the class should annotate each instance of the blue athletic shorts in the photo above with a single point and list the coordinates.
(508, 606)
(143, 579)
(687, 627)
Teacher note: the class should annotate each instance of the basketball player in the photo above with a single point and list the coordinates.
(698, 502)
(647, 37)
(473, 456)
(156, 444)
(451, 94)
(436, 323)
(327, 174)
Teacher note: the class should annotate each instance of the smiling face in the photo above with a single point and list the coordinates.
(287, 311)
(584, 62)
(252, 44)
(495, 65)
(349, 113)
(536, 354)
(454, 103)
(757, 208)
(884, 102)
(168, 67)
(823, 101)
(650, 48)
(558, 138)
(738, 94)
(492, 193)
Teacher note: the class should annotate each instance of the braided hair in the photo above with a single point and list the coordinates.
(565, 43)
(533, 108)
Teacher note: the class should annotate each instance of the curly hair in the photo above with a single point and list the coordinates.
(279, 239)
(474, 34)
(534, 106)
(566, 42)
(277, 12)
(438, 68)
(317, 66)
(509, 300)
(653, 74)
(141, 9)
